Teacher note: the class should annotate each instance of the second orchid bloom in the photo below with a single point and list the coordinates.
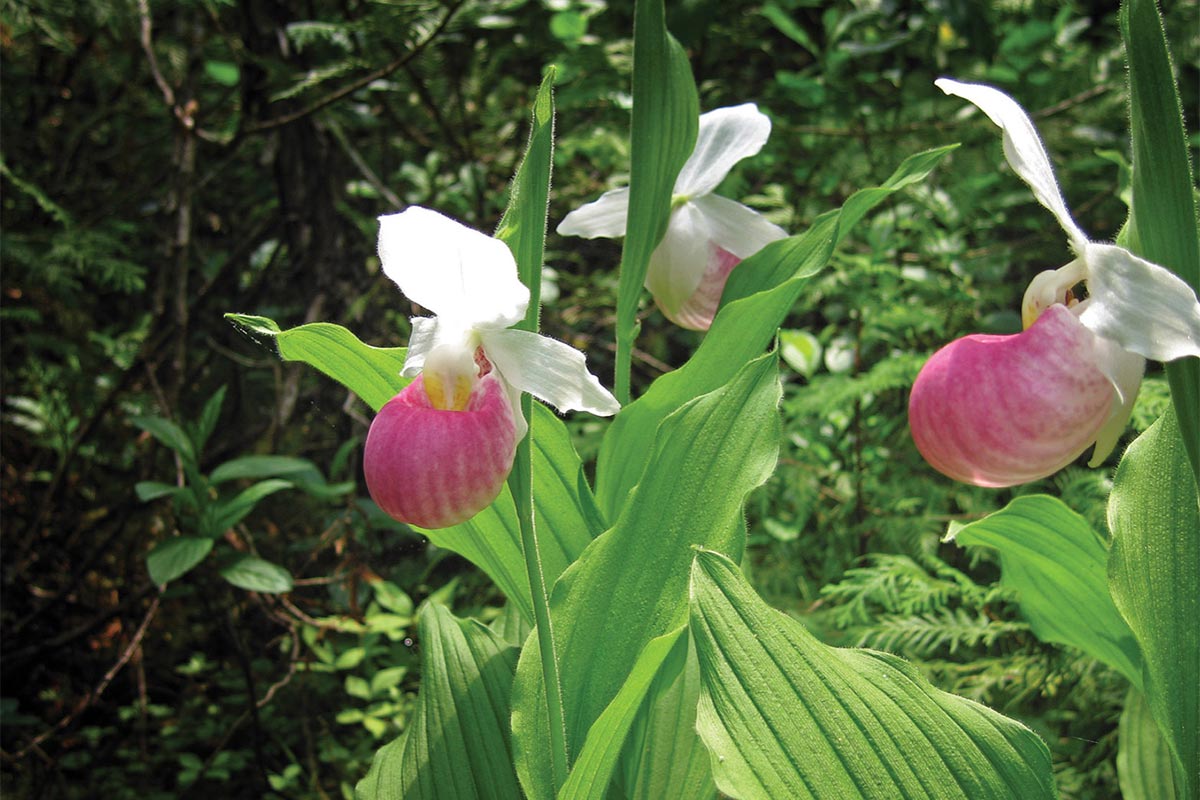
(440, 450)
(707, 235)
(1003, 410)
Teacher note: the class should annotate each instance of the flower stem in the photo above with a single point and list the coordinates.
(521, 484)
(621, 380)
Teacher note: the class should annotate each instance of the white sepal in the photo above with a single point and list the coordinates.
(548, 369)
(452, 270)
(1022, 147)
(1143, 307)
(1124, 369)
(735, 227)
(604, 217)
(677, 265)
(725, 137)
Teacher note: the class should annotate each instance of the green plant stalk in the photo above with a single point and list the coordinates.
(520, 482)
(1164, 210)
(523, 227)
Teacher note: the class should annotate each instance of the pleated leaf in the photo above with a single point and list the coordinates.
(1163, 214)
(630, 585)
(1143, 758)
(456, 745)
(787, 716)
(666, 117)
(1154, 577)
(1058, 567)
(372, 373)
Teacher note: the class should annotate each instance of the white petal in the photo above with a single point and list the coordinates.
(549, 370)
(678, 263)
(1125, 370)
(725, 137)
(1022, 147)
(602, 218)
(1143, 307)
(450, 269)
(736, 228)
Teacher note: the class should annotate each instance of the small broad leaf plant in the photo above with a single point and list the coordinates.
(744, 700)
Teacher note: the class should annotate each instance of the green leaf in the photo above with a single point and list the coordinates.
(226, 514)
(373, 373)
(208, 418)
(665, 757)
(262, 467)
(1058, 567)
(630, 585)
(152, 490)
(169, 434)
(173, 558)
(523, 226)
(800, 350)
(563, 505)
(1143, 758)
(1163, 218)
(456, 745)
(787, 716)
(1154, 577)
(601, 752)
(258, 575)
(759, 294)
(225, 73)
(665, 119)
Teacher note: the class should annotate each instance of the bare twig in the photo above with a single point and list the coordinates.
(94, 695)
(355, 85)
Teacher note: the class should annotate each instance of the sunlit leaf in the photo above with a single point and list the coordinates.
(1058, 567)
(456, 743)
(257, 575)
(176, 557)
(787, 716)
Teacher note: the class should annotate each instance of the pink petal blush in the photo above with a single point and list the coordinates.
(697, 311)
(434, 468)
(1003, 410)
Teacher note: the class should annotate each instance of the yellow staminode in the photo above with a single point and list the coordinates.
(450, 375)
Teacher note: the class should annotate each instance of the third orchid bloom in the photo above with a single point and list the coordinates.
(707, 235)
(1003, 410)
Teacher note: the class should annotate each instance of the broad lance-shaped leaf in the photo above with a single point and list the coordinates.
(1163, 213)
(1143, 758)
(1154, 577)
(630, 585)
(373, 373)
(665, 119)
(787, 716)
(646, 738)
(1058, 567)
(760, 293)
(456, 745)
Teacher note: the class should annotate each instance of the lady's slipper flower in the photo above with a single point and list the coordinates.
(1002, 410)
(439, 451)
(707, 235)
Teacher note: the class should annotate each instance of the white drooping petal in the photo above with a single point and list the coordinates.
(1125, 370)
(1143, 307)
(736, 228)
(1022, 147)
(604, 217)
(678, 263)
(548, 369)
(725, 137)
(452, 270)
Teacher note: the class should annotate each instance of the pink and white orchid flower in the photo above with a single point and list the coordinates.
(707, 235)
(439, 451)
(1002, 410)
